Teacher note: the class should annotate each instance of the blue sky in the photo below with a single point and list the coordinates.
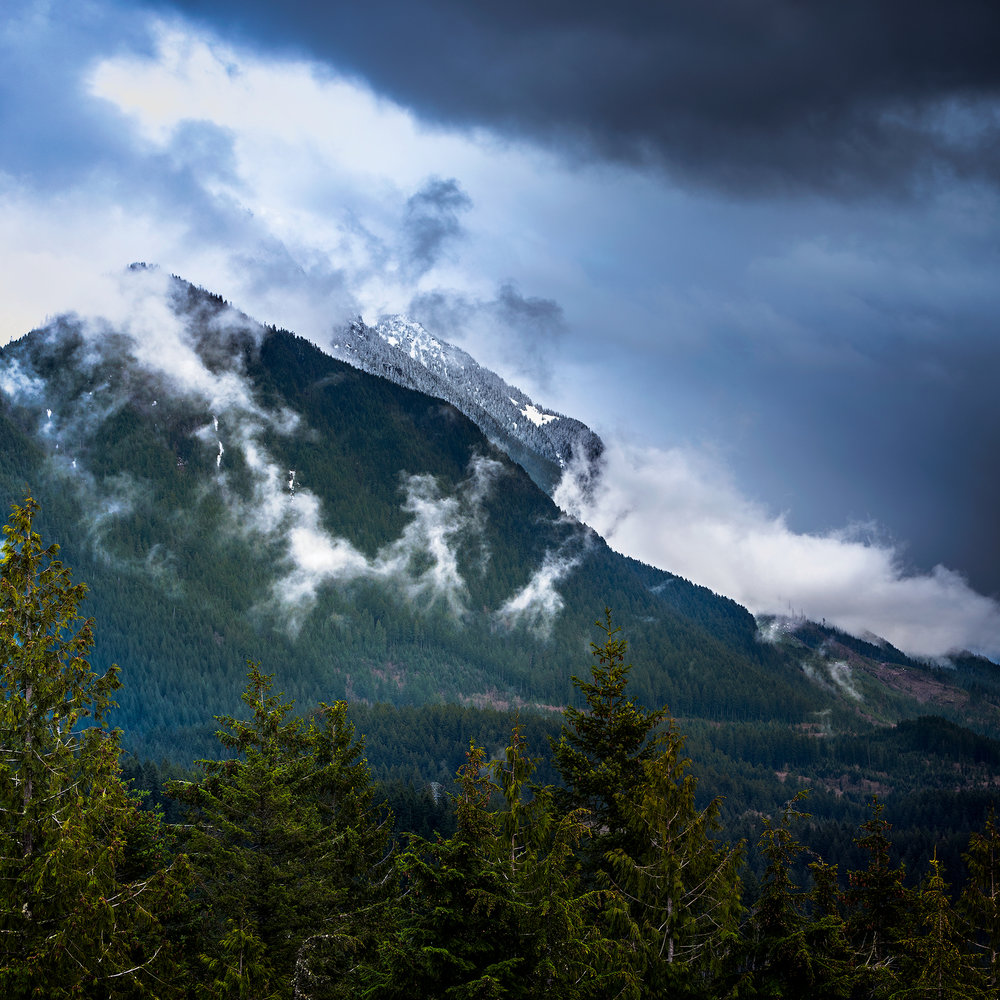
(754, 246)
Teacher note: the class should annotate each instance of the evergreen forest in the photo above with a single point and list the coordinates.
(583, 852)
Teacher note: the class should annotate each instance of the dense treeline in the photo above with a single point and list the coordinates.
(285, 879)
(936, 779)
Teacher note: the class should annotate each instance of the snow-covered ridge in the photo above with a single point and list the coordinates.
(543, 441)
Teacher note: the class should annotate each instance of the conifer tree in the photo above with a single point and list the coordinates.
(878, 904)
(674, 888)
(571, 950)
(456, 935)
(795, 939)
(680, 885)
(289, 850)
(934, 963)
(497, 909)
(602, 749)
(70, 924)
(980, 902)
(832, 957)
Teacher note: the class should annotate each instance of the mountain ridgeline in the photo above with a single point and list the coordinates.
(543, 442)
(229, 491)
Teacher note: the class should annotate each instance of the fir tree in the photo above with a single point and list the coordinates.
(570, 949)
(795, 939)
(289, 850)
(934, 964)
(878, 904)
(674, 890)
(602, 749)
(456, 935)
(497, 909)
(680, 885)
(980, 902)
(71, 922)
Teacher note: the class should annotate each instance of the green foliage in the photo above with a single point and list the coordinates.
(618, 884)
(288, 847)
(564, 927)
(81, 893)
(497, 910)
(184, 587)
(934, 961)
(795, 940)
(879, 904)
(681, 885)
(602, 749)
(456, 929)
(980, 902)
(675, 889)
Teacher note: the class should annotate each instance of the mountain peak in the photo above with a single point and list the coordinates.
(544, 442)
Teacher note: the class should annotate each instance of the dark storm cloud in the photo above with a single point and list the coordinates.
(543, 317)
(537, 320)
(534, 323)
(445, 313)
(842, 96)
(431, 221)
(855, 386)
(912, 445)
(839, 353)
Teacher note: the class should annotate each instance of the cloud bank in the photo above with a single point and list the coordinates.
(154, 347)
(679, 512)
(538, 602)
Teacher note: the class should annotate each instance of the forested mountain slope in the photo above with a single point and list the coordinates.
(230, 491)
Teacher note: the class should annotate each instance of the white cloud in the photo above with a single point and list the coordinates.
(15, 383)
(538, 602)
(273, 182)
(319, 164)
(680, 512)
(423, 561)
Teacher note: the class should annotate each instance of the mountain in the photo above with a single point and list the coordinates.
(229, 491)
(544, 443)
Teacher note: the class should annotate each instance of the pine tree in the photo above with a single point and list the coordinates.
(832, 957)
(796, 943)
(934, 964)
(674, 889)
(602, 749)
(71, 922)
(570, 949)
(497, 909)
(878, 904)
(980, 902)
(456, 937)
(680, 885)
(289, 849)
